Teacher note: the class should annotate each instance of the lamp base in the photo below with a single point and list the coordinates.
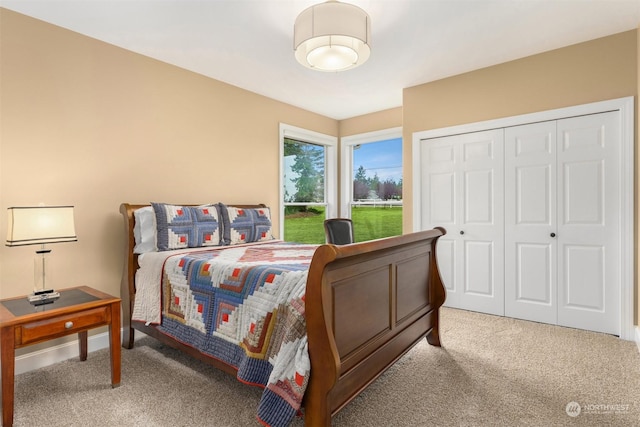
(45, 296)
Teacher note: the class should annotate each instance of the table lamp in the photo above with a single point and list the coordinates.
(41, 225)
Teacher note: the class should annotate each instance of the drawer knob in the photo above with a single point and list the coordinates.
(68, 325)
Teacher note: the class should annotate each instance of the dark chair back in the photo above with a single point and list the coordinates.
(339, 231)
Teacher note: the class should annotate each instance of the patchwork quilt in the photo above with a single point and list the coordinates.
(243, 305)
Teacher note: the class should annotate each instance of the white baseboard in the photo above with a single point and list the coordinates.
(58, 353)
(638, 337)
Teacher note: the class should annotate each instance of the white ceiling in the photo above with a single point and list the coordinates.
(248, 43)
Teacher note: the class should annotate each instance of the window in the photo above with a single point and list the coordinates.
(372, 194)
(308, 183)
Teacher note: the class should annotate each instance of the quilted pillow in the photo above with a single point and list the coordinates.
(181, 227)
(241, 225)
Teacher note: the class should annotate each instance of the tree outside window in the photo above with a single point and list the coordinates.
(304, 191)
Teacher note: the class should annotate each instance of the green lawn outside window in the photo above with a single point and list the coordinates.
(368, 222)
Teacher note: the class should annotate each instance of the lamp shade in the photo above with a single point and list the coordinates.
(332, 36)
(40, 225)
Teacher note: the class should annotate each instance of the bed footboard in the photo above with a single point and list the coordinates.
(367, 304)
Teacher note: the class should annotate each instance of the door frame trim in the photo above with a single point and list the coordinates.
(627, 160)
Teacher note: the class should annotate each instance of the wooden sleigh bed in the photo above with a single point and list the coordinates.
(366, 304)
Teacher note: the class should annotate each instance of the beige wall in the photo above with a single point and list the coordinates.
(88, 124)
(602, 69)
(380, 120)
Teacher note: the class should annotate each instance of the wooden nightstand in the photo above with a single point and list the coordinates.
(76, 311)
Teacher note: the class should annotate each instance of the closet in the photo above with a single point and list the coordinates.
(532, 213)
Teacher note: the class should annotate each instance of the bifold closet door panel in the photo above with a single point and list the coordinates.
(589, 222)
(462, 184)
(530, 222)
(562, 235)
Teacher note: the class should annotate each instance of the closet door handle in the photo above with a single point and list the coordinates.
(461, 231)
(553, 234)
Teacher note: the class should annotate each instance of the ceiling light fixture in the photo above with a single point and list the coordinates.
(332, 36)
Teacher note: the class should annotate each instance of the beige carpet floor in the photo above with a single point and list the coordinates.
(491, 371)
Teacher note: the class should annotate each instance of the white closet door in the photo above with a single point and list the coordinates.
(462, 181)
(530, 222)
(589, 223)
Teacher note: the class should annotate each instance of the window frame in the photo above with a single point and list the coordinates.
(330, 143)
(346, 162)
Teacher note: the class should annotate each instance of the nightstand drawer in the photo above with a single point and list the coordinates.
(61, 325)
